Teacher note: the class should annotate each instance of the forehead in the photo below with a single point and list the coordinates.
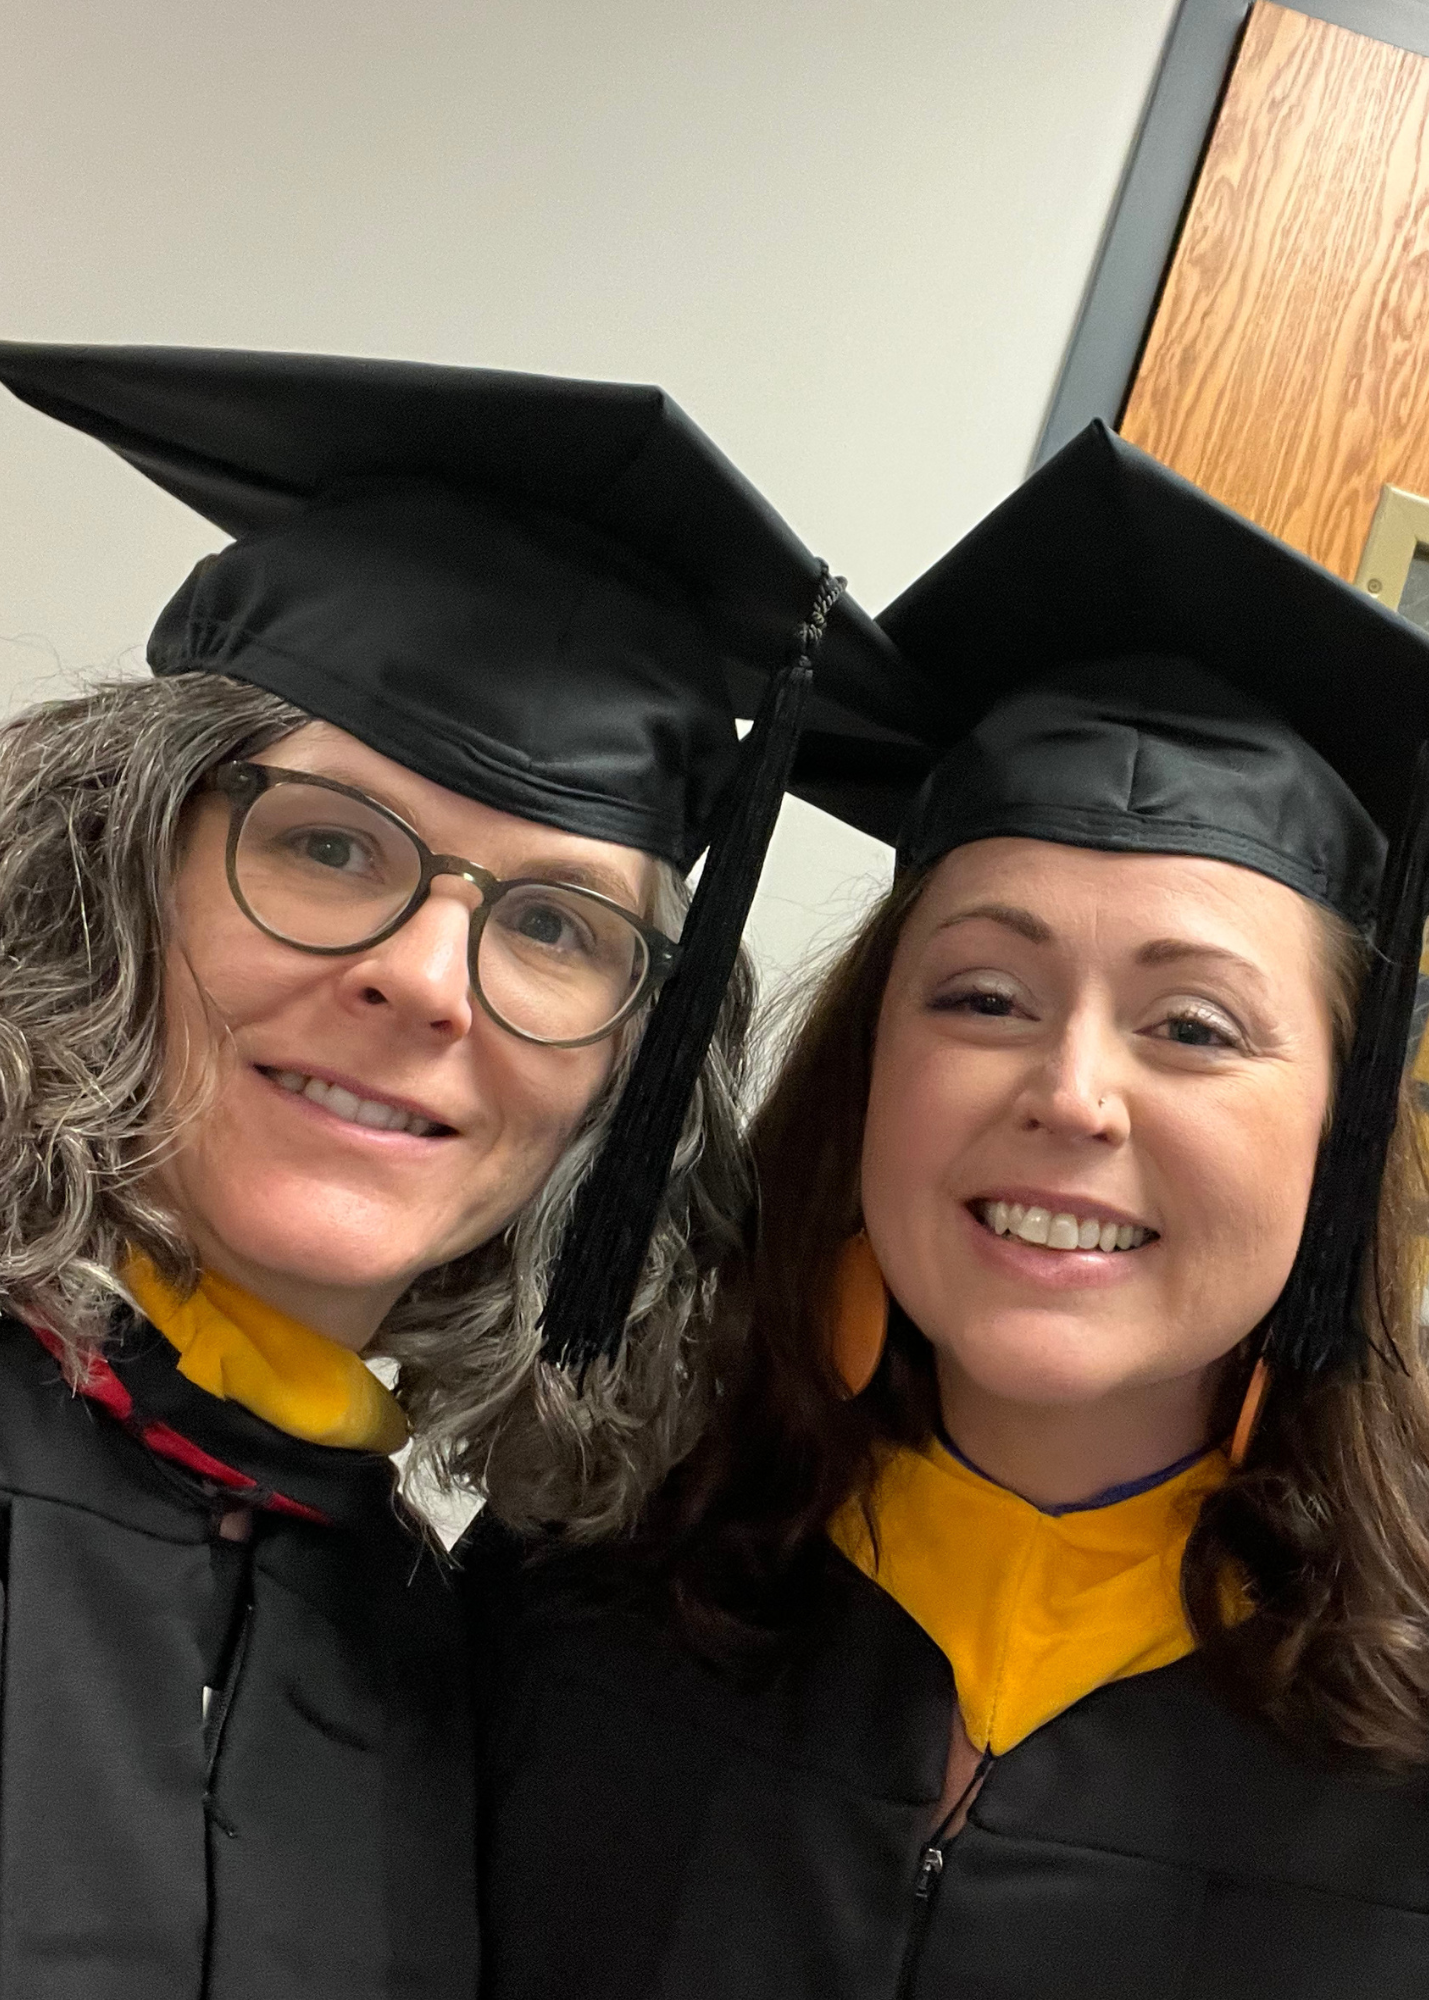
(453, 824)
(1089, 898)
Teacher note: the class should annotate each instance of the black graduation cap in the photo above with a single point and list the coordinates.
(1114, 660)
(1121, 584)
(550, 595)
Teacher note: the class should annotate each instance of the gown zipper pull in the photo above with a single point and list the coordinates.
(931, 1863)
(930, 1867)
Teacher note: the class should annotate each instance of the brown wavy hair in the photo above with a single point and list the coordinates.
(1326, 1528)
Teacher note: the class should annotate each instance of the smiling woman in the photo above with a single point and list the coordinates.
(1045, 1614)
(326, 962)
(1160, 1029)
(400, 1121)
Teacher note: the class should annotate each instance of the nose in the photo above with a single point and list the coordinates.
(420, 973)
(1076, 1089)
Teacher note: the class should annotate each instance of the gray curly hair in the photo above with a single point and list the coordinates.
(92, 797)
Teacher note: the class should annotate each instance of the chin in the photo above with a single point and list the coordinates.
(324, 1257)
(1050, 1368)
(323, 1237)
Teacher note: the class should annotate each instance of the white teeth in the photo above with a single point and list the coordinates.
(1062, 1231)
(354, 1110)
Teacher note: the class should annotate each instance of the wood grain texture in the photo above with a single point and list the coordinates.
(1287, 368)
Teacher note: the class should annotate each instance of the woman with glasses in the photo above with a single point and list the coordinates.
(325, 962)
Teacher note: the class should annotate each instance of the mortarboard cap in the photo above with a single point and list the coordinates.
(1114, 656)
(1114, 660)
(550, 595)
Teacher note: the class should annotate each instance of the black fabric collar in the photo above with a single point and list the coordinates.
(349, 1487)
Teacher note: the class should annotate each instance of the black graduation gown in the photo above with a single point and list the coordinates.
(696, 1841)
(311, 1836)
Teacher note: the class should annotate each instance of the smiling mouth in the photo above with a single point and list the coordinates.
(370, 1112)
(1059, 1229)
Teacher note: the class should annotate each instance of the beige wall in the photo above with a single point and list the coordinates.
(850, 237)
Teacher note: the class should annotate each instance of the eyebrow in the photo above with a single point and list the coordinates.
(1170, 951)
(344, 774)
(577, 875)
(1010, 915)
(1156, 951)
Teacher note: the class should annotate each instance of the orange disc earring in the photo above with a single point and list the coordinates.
(1250, 1409)
(860, 1315)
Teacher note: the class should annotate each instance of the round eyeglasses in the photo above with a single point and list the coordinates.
(325, 868)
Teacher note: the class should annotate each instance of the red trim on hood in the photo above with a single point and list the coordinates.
(101, 1385)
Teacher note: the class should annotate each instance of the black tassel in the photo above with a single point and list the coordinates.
(1318, 1323)
(614, 1214)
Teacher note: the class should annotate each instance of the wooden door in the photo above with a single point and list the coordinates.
(1286, 370)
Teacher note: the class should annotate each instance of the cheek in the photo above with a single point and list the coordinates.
(926, 1103)
(193, 1026)
(223, 978)
(1240, 1173)
(537, 1100)
(541, 1094)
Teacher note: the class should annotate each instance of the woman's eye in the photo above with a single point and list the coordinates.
(553, 927)
(985, 1006)
(545, 924)
(328, 847)
(1195, 1031)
